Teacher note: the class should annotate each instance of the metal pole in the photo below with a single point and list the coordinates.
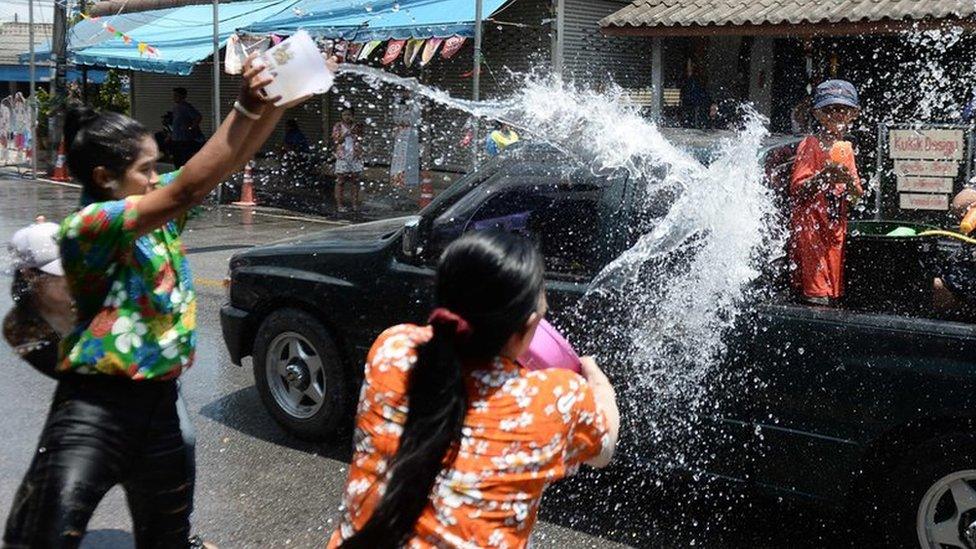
(216, 77)
(59, 88)
(657, 78)
(878, 203)
(557, 37)
(33, 79)
(476, 81)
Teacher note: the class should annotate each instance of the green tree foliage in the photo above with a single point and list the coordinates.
(111, 94)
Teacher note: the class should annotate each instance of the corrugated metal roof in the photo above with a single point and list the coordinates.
(15, 40)
(676, 13)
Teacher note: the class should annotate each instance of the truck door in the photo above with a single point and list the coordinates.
(565, 208)
(834, 380)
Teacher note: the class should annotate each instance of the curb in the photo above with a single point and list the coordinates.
(285, 214)
(259, 210)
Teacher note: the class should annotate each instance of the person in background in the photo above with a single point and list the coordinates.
(405, 163)
(115, 418)
(455, 441)
(715, 120)
(820, 193)
(956, 284)
(968, 113)
(164, 137)
(694, 99)
(346, 138)
(294, 140)
(186, 133)
(43, 310)
(801, 117)
(500, 138)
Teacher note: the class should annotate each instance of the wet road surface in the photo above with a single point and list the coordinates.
(259, 487)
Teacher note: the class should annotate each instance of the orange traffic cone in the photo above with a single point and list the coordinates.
(247, 187)
(426, 190)
(60, 170)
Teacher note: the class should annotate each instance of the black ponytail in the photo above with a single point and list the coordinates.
(100, 138)
(491, 283)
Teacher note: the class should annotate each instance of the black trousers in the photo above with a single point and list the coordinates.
(100, 432)
(183, 151)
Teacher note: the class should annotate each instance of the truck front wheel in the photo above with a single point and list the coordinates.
(299, 374)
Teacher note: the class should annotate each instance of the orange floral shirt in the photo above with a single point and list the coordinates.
(523, 430)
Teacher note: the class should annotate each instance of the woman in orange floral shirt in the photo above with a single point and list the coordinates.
(455, 442)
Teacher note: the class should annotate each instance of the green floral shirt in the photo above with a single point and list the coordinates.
(135, 297)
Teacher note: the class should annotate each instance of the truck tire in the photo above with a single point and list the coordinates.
(299, 374)
(929, 498)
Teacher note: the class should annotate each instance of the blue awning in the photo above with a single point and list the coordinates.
(21, 73)
(183, 36)
(364, 20)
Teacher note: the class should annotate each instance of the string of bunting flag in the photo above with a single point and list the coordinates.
(144, 48)
(414, 50)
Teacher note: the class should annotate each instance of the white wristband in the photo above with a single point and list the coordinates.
(243, 110)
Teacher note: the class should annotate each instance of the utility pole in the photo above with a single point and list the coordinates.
(476, 82)
(32, 102)
(216, 77)
(59, 91)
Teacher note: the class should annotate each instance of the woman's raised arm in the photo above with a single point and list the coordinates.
(234, 142)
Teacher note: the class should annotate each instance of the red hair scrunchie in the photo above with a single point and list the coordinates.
(445, 317)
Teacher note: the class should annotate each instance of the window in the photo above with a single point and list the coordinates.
(563, 210)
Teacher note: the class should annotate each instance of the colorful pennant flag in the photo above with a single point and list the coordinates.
(411, 50)
(368, 49)
(393, 49)
(141, 46)
(352, 51)
(339, 49)
(430, 50)
(452, 46)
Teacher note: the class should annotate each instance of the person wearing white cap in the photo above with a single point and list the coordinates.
(43, 309)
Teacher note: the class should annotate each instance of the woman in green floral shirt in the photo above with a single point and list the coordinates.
(114, 417)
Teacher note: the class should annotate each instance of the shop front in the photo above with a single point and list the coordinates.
(771, 54)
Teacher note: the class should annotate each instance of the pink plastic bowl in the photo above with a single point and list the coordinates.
(549, 349)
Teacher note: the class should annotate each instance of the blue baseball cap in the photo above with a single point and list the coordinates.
(835, 92)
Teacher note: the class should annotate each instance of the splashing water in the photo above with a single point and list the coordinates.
(680, 287)
(685, 281)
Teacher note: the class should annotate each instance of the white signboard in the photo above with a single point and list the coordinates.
(925, 184)
(931, 144)
(910, 201)
(928, 168)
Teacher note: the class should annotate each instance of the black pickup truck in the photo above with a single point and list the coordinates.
(871, 403)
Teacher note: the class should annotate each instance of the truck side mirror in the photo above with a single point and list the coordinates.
(411, 238)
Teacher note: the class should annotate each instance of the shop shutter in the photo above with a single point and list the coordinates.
(592, 58)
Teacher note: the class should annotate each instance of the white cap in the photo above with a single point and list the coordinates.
(36, 247)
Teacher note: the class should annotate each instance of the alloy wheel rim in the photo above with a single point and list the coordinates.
(295, 376)
(947, 512)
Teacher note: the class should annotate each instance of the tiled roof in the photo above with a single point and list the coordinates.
(672, 13)
(15, 40)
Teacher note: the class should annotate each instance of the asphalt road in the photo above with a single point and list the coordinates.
(258, 487)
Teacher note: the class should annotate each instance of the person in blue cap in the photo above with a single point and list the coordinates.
(823, 184)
